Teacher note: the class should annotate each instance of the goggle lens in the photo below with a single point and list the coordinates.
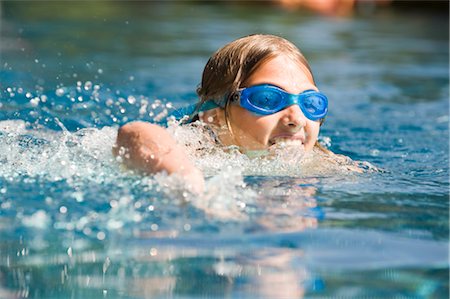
(314, 104)
(265, 99)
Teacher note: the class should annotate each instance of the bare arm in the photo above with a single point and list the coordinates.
(151, 149)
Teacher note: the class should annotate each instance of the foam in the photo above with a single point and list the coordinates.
(283, 159)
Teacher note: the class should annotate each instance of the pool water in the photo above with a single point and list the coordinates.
(75, 224)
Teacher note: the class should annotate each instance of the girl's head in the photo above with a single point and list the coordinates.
(250, 61)
(229, 67)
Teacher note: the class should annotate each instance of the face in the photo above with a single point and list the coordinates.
(256, 132)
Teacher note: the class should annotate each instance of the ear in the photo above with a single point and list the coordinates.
(214, 116)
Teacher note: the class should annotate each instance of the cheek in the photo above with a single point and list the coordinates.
(312, 129)
(265, 125)
(255, 127)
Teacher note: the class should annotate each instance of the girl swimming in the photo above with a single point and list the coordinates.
(256, 93)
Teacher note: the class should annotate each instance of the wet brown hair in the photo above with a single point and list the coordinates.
(230, 66)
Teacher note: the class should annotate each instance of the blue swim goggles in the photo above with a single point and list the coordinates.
(268, 99)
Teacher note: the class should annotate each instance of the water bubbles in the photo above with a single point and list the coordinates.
(109, 102)
(114, 224)
(63, 210)
(60, 92)
(119, 159)
(87, 231)
(241, 205)
(100, 71)
(154, 227)
(101, 236)
(78, 196)
(143, 107)
(40, 219)
(5, 205)
(35, 101)
(114, 203)
(325, 141)
(131, 100)
(375, 153)
(87, 85)
(153, 251)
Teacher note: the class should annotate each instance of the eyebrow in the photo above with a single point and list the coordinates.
(267, 83)
(275, 85)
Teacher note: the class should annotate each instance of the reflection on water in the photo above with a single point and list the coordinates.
(74, 224)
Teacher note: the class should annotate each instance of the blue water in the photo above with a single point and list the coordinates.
(75, 224)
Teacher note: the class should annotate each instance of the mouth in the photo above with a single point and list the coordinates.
(287, 139)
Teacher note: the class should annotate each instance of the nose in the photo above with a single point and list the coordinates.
(293, 118)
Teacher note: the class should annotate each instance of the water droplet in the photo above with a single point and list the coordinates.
(101, 236)
(131, 100)
(35, 101)
(87, 85)
(375, 152)
(60, 92)
(109, 102)
(153, 251)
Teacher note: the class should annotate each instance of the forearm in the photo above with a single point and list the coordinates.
(151, 149)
